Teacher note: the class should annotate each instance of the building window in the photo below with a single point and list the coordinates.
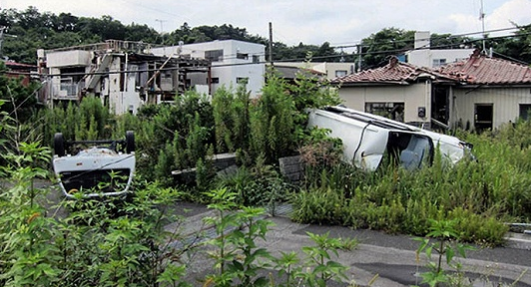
(438, 63)
(394, 111)
(256, 59)
(243, 56)
(341, 73)
(213, 80)
(214, 55)
(242, 81)
(525, 111)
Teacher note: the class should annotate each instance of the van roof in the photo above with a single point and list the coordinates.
(370, 118)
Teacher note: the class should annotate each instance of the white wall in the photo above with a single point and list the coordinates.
(68, 58)
(505, 102)
(425, 57)
(121, 101)
(329, 68)
(413, 97)
(230, 68)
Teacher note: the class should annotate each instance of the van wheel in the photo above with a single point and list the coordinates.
(59, 144)
(129, 141)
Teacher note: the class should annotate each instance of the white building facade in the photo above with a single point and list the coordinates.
(233, 62)
(423, 56)
(124, 75)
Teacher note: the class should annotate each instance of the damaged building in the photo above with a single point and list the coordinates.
(125, 75)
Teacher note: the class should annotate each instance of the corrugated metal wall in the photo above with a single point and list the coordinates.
(506, 103)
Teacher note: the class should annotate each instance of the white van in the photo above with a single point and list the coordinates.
(367, 137)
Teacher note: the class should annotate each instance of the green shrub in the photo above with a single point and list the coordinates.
(318, 206)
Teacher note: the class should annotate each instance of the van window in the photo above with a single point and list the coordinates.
(410, 150)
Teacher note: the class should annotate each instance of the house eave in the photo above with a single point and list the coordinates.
(489, 86)
(368, 84)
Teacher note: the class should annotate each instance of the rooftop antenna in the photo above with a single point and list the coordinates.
(482, 18)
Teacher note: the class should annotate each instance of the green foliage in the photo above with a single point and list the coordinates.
(26, 257)
(231, 115)
(100, 243)
(272, 121)
(46, 30)
(479, 195)
(389, 41)
(394, 41)
(317, 268)
(239, 260)
(318, 259)
(517, 47)
(443, 232)
(260, 185)
(237, 255)
(19, 99)
(90, 120)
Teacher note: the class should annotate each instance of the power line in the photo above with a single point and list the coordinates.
(449, 37)
(280, 61)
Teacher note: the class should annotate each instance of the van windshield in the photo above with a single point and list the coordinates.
(410, 150)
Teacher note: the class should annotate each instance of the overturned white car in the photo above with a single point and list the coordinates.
(94, 171)
(367, 138)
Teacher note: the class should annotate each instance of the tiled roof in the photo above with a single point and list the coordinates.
(394, 72)
(15, 64)
(482, 70)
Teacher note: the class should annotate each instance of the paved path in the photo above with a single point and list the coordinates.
(391, 257)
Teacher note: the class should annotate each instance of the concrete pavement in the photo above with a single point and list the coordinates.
(392, 258)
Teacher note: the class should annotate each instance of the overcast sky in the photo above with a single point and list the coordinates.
(339, 22)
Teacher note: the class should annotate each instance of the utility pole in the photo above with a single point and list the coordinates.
(2, 36)
(271, 44)
(359, 58)
(2, 29)
(161, 21)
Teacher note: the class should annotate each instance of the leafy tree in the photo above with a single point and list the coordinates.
(137, 32)
(517, 47)
(65, 22)
(19, 100)
(389, 41)
(106, 28)
(447, 41)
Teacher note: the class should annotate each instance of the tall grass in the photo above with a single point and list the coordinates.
(481, 194)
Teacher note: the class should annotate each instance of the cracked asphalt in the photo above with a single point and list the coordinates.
(392, 258)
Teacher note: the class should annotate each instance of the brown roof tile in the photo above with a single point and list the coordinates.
(394, 72)
(482, 70)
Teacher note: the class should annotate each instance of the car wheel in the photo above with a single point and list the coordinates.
(59, 144)
(129, 141)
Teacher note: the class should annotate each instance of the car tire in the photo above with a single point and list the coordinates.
(59, 144)
(129, 141)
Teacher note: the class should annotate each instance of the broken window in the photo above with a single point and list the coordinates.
(214, 55)
(243, 56)
(394, 111)
(213, 80)
(410, 150)
(341, 73)
(256, 59)
(242, 81)
(438, 63)
(525, 111)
